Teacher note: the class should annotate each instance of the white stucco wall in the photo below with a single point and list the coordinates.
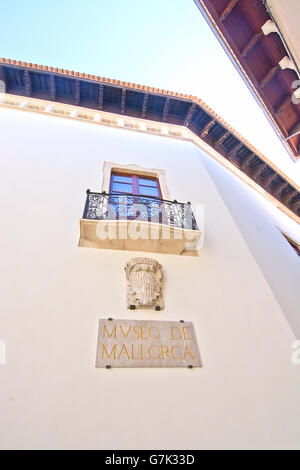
(53, 293)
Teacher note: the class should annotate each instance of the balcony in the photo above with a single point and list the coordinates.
(138, 223)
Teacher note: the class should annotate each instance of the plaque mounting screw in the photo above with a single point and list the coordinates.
(190, 366)
(110, 319)
(108, 366)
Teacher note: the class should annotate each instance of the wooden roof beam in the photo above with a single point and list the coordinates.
(269, 180)
(3, 83)
(295, 131)
(228, 9)
(246, 162)
(207, 128)
(101, 95)
(285, 103)
(258, 171)
(280, 188)
(221, 139)
(263, 169)
(296, 205)
(190, 114)
(234, 151)
(166, 109)
(77, 92)
(2, 75)
(269, 76)
(123, 100)
(28, 85)
(52, 87)
(288, 198)
(144, 109)
(253, 41)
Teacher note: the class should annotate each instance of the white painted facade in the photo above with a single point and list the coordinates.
(241, 293)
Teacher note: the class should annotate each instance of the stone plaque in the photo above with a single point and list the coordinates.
(144, 288)
(143, 343)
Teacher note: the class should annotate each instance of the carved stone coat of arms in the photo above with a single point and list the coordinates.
(144, 288)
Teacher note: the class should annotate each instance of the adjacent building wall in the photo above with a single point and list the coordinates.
(53, 293)
(262, 225)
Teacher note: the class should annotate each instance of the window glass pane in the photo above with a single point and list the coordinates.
(148, 191)
(148, 182)
(121, 178)
(122, 187)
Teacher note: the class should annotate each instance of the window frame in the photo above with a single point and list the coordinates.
(113, 167)
(135, 184)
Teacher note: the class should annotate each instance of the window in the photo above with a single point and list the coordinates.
(134, 185)
(136, 197)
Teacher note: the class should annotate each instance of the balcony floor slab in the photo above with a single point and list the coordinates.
(138, 236)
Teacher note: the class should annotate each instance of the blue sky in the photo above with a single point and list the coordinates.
(146, 41)
(162, 43)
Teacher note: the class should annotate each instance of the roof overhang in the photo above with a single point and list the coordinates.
(263, 54)
(81, 96)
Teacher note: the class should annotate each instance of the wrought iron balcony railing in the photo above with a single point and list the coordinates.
(121, 206)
